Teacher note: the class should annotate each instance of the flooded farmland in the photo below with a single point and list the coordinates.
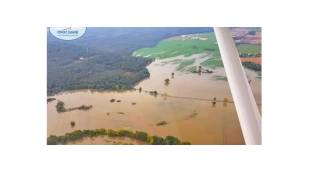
(187, 93)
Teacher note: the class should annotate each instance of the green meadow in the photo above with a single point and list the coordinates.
(168, 48)
(185, 64)
(246, 48)
(188, 45)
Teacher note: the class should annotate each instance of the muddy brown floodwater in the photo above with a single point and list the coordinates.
(217, 124)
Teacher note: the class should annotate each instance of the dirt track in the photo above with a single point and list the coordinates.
(251, 39)
(246, 38)
(257, 60)
(239, 32)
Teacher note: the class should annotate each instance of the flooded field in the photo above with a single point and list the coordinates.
(188, 93)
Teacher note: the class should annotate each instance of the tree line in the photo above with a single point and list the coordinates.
(138, 135)
(246, 55)
(252, 66)
(60, 107)
(50, 99)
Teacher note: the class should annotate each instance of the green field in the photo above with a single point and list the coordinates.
(183, 46)
(213, 62)
(246, 48)
(193, 68)
(187, 45)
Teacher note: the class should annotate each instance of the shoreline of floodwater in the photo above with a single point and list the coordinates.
(143, 80)
(137, 135)
(148, 111)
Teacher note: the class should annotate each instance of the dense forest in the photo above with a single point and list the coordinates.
(142, 136)
(102, 58)
(99, 72)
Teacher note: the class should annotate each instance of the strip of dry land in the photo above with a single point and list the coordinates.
(241, 36)
(250, 39)
(256, 60)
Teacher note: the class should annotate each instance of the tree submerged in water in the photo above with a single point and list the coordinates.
(72, 123)
(84, 107)
(226, 99)
(213, 104)
(167, 80)
(60, 106)
(162, 123)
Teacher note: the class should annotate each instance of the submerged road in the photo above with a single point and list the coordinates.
(198, 99)
(194, 98)
(201, 99)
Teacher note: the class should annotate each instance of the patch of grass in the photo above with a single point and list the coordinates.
(246, 48)
(175, 61)
(205, 55)
(193, 68)
(259, 75)
(185, 64)
(213, 62)
(219, 77)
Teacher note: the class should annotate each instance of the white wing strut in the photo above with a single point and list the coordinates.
(247, 110)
